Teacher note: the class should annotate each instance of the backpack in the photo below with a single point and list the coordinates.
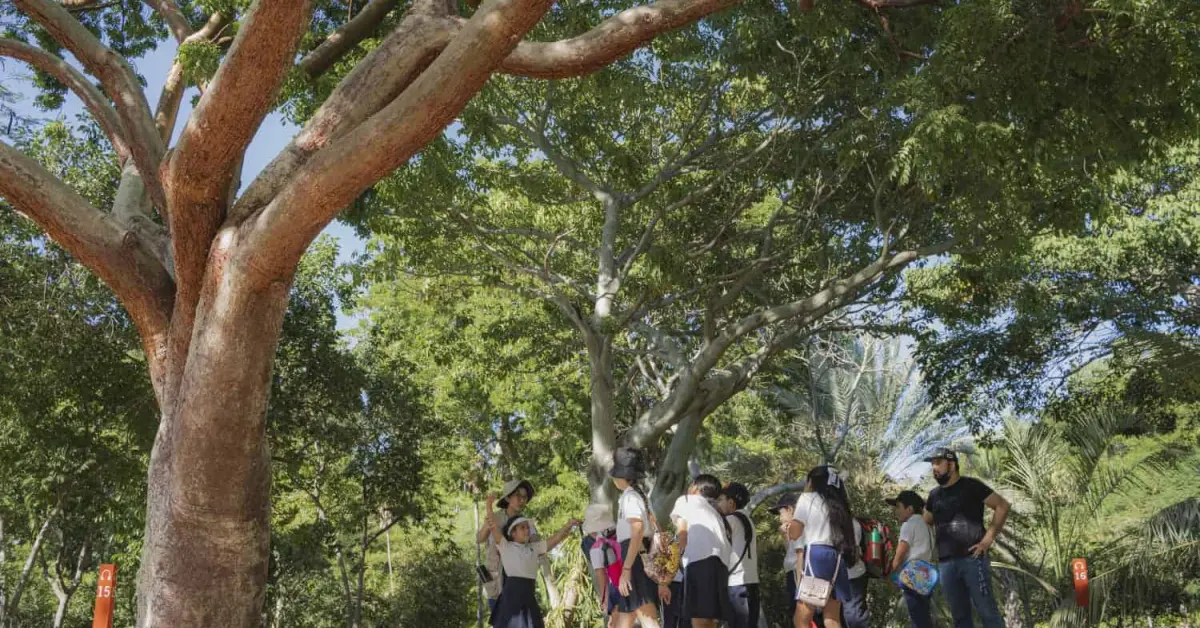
(612, 559)
(875, 554)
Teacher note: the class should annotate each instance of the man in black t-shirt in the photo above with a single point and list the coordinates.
(956, 508)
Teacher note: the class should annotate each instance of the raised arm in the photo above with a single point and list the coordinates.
(491, 521)
(485, 530)
(561, 534)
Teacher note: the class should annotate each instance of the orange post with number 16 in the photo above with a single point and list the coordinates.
(105, 584)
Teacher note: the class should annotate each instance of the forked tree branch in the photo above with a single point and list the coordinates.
(345, 38)
(98, 241)
(798, 314)
(212, 143)
(338, 174)
(79, 84)
(609, 41)
(118, 80)
(376, 81)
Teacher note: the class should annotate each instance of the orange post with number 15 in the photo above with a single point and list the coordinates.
(105, 584)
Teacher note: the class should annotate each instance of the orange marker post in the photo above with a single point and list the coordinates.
(1079, 572)
(105, 585)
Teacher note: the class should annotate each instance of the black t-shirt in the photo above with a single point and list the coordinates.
(958, 512)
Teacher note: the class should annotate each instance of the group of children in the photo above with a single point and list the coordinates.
(717, 579)
(718, 576)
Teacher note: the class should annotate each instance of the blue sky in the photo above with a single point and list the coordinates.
(271, 138)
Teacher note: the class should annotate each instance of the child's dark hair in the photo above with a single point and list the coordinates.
(841, 519)
(708, 486)
(737, 492)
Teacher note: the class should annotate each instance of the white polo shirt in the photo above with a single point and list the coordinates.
(919, 537)
(631, 506)
(705, 529)
(520, 560)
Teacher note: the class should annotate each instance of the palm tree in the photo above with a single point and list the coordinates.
(1060, 475)
(860, 402)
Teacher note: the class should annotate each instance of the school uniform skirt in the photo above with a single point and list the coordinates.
(517, 606)
(822, 562)
(642, 590)
(706, 590)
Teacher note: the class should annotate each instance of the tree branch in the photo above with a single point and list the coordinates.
(758, 498)
(694, 376)
(34, 550)
(79, 84)
(338, 174)
(391, 523)
(174, 86)
(175, 19)
(377, 80)
(119, 82)
(612, 39)
(344, 39)
(205, 161)
(96, 240)
(566, 166)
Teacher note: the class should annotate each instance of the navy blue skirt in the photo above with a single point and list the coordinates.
(642, 590)
(706, 590)
(517, 606)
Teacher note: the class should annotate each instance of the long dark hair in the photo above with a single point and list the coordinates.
(841, 519)
(709, 488)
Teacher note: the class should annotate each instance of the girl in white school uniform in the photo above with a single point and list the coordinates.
(827, 525)
(637, 594)
(704, 544)
(517, 606)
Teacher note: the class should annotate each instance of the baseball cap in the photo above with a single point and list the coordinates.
(943, 453)
(786, 500)
(908, 498)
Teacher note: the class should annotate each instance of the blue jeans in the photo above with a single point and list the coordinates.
(920, 611)
(967, 582)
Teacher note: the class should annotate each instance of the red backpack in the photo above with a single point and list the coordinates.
(612, 558)
(875, 547)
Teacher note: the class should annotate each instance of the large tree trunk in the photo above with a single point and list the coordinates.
(673, 476)
(205, 557)
(604, 416)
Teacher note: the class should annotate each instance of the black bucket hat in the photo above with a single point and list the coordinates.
(627, 464)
